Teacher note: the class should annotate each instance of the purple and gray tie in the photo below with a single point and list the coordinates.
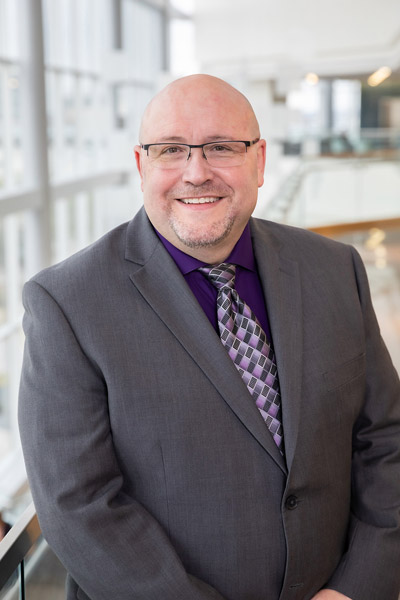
(248, 347)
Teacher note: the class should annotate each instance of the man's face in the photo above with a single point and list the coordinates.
(201, 209)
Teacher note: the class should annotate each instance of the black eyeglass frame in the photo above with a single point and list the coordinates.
(247, 144)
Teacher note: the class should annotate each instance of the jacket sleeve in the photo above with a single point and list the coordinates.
(370, 568)
(109, 543)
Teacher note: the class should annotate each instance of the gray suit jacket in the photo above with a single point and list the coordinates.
(153, 473)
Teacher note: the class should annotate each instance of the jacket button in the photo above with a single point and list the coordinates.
(291, 502)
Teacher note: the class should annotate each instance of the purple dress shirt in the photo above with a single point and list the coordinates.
(247, 282)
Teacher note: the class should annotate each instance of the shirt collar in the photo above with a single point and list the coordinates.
(242, 254)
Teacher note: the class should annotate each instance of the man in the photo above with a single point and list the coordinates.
(164, 468)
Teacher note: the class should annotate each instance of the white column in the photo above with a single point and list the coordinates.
(36, 118)
(13, 306)
(7, 129)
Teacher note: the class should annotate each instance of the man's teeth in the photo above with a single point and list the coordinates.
(199, 200)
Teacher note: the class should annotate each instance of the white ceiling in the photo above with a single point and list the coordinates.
(271, 37)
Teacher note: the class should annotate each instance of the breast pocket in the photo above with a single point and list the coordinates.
(345, 373)
(335, 398)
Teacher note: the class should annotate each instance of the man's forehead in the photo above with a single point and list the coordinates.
(195, 105)
(191, 131)
(191, 136)
(201, 123)
(185, 107)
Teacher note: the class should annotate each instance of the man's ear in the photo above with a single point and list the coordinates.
(261, 158)
(138, 158)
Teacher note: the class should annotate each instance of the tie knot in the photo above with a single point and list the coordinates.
(222, 275)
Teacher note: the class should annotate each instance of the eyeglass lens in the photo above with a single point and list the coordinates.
(217, 154)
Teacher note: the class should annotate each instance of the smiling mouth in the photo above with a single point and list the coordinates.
(200, 200)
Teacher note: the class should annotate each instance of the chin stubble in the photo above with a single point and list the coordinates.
(209, 238)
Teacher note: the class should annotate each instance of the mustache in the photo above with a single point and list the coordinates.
(204, 189)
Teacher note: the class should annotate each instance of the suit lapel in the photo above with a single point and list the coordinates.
(159, 281)
(281, 285)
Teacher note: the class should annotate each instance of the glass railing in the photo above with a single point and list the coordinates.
(372, 142)
(17, 550)
(322, 191)
(28, 567)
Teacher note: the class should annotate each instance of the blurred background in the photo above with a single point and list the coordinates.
(75, 76)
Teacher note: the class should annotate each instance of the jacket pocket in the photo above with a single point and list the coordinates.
(344, 373)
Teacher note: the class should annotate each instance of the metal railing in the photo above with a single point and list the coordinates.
(15, 547)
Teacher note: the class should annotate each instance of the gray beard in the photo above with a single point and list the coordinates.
(205, 241)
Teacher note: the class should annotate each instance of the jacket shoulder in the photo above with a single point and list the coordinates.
(95, 261)
(299, 243)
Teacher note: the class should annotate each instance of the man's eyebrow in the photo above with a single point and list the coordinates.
(182, 140)
(218, 138)
(173, 138)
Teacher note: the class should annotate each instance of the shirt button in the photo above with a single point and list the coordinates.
(291, 502)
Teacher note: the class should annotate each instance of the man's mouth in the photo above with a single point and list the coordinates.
(208, 200)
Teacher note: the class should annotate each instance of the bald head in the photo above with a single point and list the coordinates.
(202, 93)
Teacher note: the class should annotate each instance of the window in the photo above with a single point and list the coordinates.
(73, 87)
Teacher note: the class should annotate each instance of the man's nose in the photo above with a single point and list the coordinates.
(197, 169)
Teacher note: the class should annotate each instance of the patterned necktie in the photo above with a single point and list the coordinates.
(248, 347)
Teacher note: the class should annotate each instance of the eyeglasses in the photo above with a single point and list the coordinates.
(217, 154)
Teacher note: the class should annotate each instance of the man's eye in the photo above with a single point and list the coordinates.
(221, 148)
(172, 150)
